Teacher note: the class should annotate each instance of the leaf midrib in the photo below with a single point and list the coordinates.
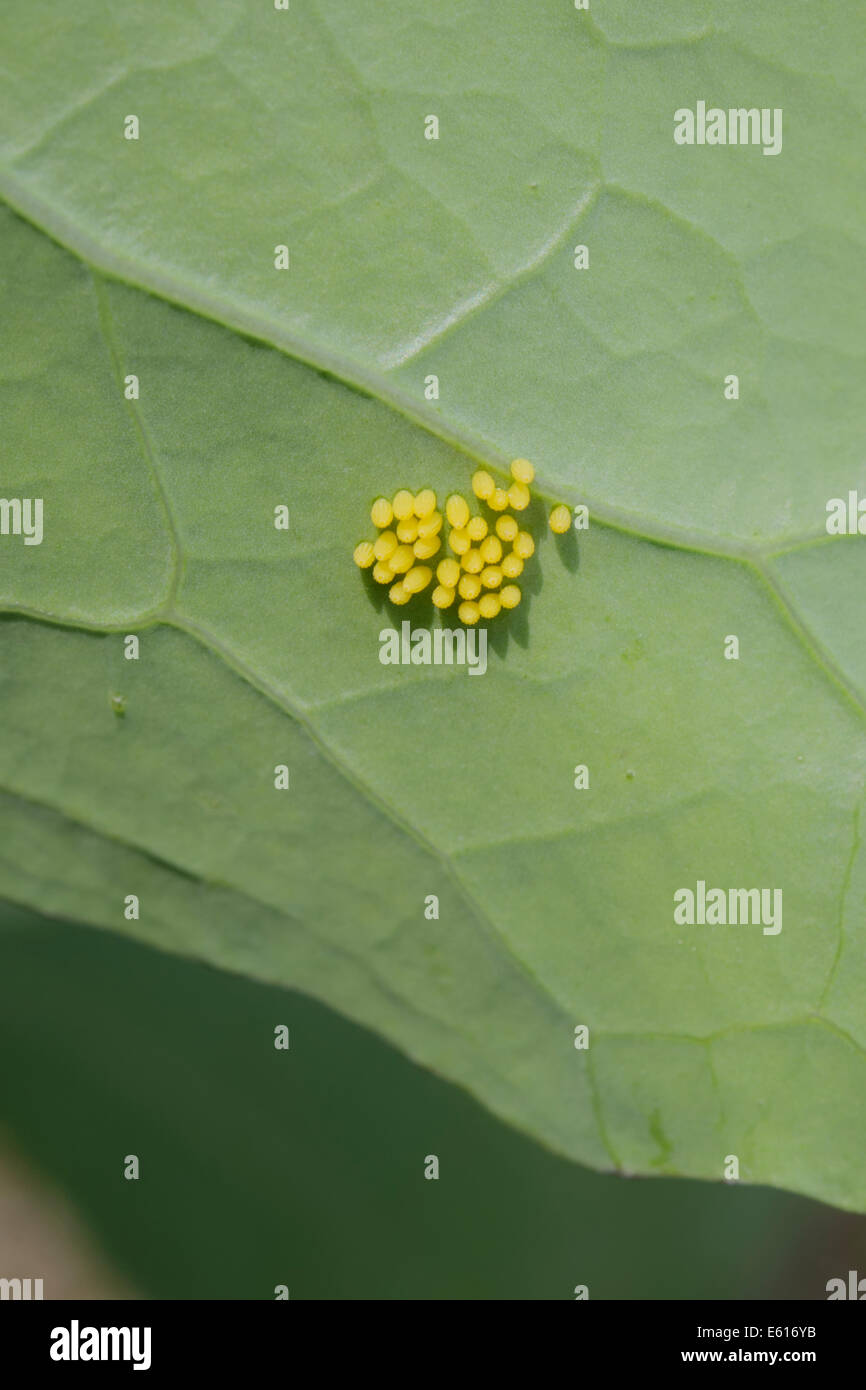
(104, 264)
(235, 318)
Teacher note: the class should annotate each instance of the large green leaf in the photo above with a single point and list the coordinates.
(411, 257)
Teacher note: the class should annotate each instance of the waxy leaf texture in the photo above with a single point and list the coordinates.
(455, 258)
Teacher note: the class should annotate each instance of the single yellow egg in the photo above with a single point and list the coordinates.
(459, 541)
(430, 525)
(491, 577)
(524, 545)
(509, 597)
(498, 500)
(402, 559)
(425, 549)
(381, 512)
(511, 565)
(522, 471)
(383, 573)
(560, 519)
(482, 484)
(364, 555)
(404, 504)
(418, 578)
(384, 545)
(457, 510)
(491, 550)
(448, 573)
(469, 613)
(398, 593)
(469, 586)
(506, 528)
(476, 528)
(407, 531)
(472, 562)
(518, 496)
(443, 596)
(425, 502)
(489, 605)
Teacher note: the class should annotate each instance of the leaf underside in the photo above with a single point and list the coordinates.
(306, 387)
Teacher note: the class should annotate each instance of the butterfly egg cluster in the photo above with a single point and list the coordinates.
(409, 526)
(487, 556)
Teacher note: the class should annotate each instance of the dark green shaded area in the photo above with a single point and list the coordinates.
(261, 1167)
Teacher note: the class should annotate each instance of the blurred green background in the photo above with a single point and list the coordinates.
(305, 1167)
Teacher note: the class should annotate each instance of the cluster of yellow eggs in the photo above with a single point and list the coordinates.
(481, 569)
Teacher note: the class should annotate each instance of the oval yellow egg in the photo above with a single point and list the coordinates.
(522, 471)
(403, 504)
(511, 565)
(381, 512)
(491, 550)
(469, 586)
(443, 596)
(384, 545)
(524, 545)
(418, 578)
(482, 484)
(509, 597)
(448, 573)
(430, 526)
(402, 559)
(457, 510)
(425, 502)
(518, 496)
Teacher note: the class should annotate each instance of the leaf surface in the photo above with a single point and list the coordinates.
(411, 257)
